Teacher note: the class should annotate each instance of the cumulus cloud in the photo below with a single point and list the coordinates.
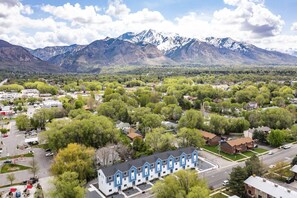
(294, 27)
(116, 8)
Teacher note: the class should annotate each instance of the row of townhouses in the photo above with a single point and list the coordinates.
(114, 179)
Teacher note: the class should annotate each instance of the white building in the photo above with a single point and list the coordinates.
(30, 93)
(250, 132)
(260, 187)
(9, 95)
(114, 179)
(51, 103)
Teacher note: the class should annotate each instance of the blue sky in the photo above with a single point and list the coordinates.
(38, 23)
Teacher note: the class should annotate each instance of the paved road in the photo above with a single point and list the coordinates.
(3, 82)
(216, 177)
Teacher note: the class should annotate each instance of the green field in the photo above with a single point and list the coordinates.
(7, 168)
(260, 150)
(249, 153)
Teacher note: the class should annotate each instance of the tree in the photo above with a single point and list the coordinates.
(75, 158)
(276, 138)
(41, 117)
(150, 121)
(68, 185)
(22, 122)
(115, 109)
(158, 140)
(254, 166)
(236, 182)
(10, 177)
(34, 167)
(184, 183)
(218, 124)
(191, 119)
(277, 118)
(190, 137)
(238, 125)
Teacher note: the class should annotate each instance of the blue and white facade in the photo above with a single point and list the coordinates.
(125, 175)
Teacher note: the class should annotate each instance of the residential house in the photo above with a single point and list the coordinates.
(51, 103)
(133, 134)
(250, 132)
(258, 187)
(252, 105)
(169, 125)
(294, 170)
(30, 93)
(114, 179)
(123, 126)
(210, 138)
(237, 145)
(9, 96)
(191, 99)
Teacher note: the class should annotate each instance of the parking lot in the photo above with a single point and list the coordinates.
(12, 146)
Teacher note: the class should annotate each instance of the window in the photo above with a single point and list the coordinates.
(177, 158)
(109, 183)
(125, 173)
(99, 173)
(139, 169)
(139, 180)
(175, 163)
(109, 178)
(249, 192)
(259, 196)
(110, 190)
(125, 179)
(125, 185)
(164, 172)
(175, 168)
(152, 165)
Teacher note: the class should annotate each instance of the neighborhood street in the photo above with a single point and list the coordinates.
(216, 177)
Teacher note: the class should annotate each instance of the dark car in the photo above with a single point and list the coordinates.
(7, 162)
(48, 150)
(290, 180)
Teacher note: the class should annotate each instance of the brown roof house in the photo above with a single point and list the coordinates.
(210, 138)
(133, 134)
(237, 145)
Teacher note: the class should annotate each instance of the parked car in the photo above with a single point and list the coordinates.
(7, 162)
(270, 153)
(290, 180)
(31, 152)
(4, 135)
(1, 150)
(48, 150)
(256, 146)
(49, 154)
(287, 146)
(225, 182)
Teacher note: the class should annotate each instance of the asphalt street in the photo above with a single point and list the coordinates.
(216, 177)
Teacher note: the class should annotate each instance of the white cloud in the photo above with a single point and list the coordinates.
(294, 27)
(244, 20)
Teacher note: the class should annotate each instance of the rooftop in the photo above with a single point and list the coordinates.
(294, 169)
(207, 134)
(125, 166)
(270, 188)
(240, 141)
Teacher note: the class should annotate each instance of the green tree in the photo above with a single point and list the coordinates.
(184, 183)
(277, 118)
(41, 117)
(75, 158)
(68, 185)
(150, 121)
(34, 167)
(10, 177)
(22, 122)
(170, 100)
(276, 138)
(236, 182)
(254, 166)
(158, 140)
(115, 109)
(191, 119)
(218, 124)
(190, 137)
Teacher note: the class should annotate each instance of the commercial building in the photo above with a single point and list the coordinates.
(116, 178)
(51, 103)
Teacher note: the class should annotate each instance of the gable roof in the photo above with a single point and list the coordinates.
(269, 187)
(125, 166)
(207, 134)
(239, 141)
(134, 135)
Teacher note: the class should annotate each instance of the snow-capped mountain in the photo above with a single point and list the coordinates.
(228, 43)
(165, 42)
(49, 52)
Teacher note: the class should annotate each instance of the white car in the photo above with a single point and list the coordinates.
(270, 153)
(287, 146)
(225, 182)
(49, 154)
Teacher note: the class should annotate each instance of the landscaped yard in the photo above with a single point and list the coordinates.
(249, 153)
(17, 156)
(214, 149)
(7, 168)
(260, 150)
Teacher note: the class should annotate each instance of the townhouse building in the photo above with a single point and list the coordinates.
(114, 179)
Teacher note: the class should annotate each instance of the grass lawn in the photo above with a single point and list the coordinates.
(231, 157)
(249, 153)
(7, 168)
(260, 150)
(16, 156)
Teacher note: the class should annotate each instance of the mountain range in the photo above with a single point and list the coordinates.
(148, 47)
